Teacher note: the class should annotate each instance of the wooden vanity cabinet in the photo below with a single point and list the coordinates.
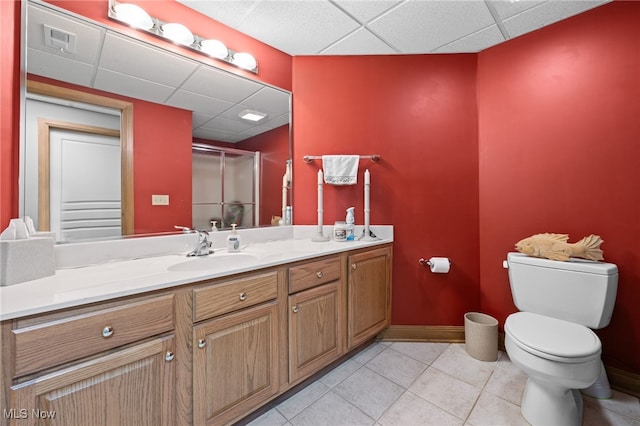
(316, 316)
(369, 294)
(105, 365)
(235, 352)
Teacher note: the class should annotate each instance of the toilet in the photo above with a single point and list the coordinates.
(550, 339)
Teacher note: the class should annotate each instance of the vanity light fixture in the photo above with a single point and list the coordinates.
(252, 115)
(133, 15)
(177, 33)
(138, 18)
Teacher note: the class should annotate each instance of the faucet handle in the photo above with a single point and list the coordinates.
(184, 229)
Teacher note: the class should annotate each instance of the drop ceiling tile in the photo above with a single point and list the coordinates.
(546, 14)
(198, 103)
(213, 134)
(130, 86)
(59, 68)
(269, 100)
(129, 56)
(475, 42)
(231, 13)
(310, 25)
(360, 42)
(421, 26)
(220, 84)
(88, 37)
(366, 10)
(508, 8)
(200, 119)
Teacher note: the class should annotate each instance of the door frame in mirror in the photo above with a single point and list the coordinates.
(126, 138)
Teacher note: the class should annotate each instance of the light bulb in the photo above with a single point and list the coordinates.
(133, 15)
(177, 33)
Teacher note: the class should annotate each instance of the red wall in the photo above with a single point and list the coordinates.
(161, 161)
(559, 138)
(9, 109)
(274, 153)
(419, 114)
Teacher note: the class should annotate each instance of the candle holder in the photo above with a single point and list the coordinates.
(319, 237)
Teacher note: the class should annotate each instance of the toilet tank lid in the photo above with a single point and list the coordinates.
(573, 264)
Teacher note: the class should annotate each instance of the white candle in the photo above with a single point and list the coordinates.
(320, 201)
(367, 208)
(284, 194)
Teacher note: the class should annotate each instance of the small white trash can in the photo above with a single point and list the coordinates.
(481, 336)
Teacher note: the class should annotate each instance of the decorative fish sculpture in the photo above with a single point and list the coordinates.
(557, 247)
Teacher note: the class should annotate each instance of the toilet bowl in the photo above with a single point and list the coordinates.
(559, 358)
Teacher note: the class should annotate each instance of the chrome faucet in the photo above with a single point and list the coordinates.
(203, 247)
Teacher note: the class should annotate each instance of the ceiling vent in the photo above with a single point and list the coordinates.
(59, 39)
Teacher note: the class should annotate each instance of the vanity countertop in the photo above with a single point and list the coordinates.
(73, 286)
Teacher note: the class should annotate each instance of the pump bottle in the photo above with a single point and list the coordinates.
(350, 220)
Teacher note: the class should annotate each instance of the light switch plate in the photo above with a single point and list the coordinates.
(159, 200)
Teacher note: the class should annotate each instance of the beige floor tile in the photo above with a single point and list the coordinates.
(507, 384)
(301, 400)
(369, 391)
(270, 418)
(411, 410)
(420, 351)
(397, 367)
(331, 409)
(449, 393)
(458, 364)
(341, 372)
(491, 410)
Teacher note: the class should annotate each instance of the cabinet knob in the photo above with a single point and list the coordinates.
(202, 343)
(319, 274)
(243, 296)
(354, 266)
(295, 309)
(169, 356)
(107, 331)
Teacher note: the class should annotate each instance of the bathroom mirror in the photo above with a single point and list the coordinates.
(109, 62)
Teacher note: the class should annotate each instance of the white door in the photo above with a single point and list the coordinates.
(85, 185)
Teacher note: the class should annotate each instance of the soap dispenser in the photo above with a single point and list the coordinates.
(350, 220)
(233, 240)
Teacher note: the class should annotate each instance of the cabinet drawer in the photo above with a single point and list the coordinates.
(218, 299)
(52, 343)
(313, 273)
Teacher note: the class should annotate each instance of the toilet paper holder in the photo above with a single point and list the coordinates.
(425, 262)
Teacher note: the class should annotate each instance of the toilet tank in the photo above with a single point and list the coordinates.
(580, 291)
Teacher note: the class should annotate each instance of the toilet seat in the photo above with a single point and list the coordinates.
(553, 339)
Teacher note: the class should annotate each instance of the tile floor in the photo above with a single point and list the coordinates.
(410, 384)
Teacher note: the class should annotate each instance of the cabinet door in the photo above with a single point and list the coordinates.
(235, 364)
(315, 324)
(132, 386)
(369, 294)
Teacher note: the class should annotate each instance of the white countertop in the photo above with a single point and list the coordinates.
(105, 276)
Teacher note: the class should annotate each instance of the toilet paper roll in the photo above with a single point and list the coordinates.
(439, 265)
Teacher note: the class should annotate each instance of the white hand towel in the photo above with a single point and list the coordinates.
(340, 169)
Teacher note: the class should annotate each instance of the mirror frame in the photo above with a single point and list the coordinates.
(126, 142)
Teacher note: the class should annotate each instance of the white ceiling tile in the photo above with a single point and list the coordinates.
(59, 68)
(475, 42)
(546, 14)
(196, 102)
(508, 8)
(221, 84)
(88, 37)
(360, 42)
(421, 26)
(231, 13)
(366, 10)
(269, 100)
(133, 87)
(129, 56)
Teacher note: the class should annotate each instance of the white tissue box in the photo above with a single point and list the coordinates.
(26, 260)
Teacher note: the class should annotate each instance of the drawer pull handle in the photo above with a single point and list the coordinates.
(169, 356)
(319, 274)
(354, 266)
(202, 343)
(107, 331)
(243, 296)
(295, 309)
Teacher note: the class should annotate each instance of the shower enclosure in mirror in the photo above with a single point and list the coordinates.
(224, 187)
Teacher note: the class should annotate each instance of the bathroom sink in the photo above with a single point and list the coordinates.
(214, 261)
